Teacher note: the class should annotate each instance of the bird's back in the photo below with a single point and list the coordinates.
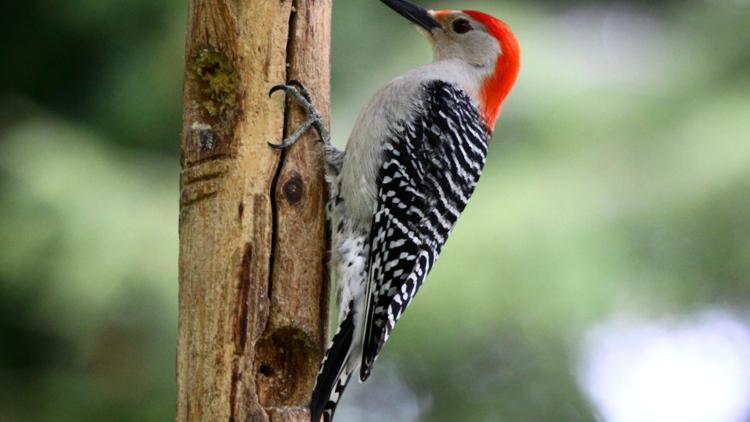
(390, 108)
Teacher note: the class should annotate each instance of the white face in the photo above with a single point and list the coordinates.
(463, 38)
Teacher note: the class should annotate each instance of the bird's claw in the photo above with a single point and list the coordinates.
(304, 99)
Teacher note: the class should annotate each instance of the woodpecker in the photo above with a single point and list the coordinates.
(411, 164)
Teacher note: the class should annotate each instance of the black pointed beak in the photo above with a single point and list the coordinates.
(418, 15)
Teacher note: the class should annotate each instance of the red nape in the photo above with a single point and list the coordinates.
(498, 85)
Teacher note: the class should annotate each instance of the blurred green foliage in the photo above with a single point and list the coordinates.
(619, 180)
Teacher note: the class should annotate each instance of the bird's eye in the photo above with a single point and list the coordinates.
(461, 26)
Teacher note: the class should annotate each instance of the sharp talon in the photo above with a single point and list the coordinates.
(277, 146)
(276, 89)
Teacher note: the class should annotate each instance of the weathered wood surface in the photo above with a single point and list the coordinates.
(253, 301)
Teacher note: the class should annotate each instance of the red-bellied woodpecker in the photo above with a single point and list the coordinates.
(410, 166)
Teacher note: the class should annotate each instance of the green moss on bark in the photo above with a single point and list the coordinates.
(218, 82)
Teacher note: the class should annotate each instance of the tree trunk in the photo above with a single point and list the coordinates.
(253, 301)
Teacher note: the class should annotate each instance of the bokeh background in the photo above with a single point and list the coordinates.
(601, 271)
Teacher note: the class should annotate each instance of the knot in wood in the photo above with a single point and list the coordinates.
(294, 188)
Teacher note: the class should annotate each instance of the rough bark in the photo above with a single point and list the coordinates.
(253, 300)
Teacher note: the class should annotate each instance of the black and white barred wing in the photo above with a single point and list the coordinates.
(430, 168)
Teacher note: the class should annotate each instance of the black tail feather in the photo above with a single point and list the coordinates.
(333, 377)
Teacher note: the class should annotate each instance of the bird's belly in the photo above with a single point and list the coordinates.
(350, 263)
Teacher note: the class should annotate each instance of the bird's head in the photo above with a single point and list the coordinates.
(484, 43)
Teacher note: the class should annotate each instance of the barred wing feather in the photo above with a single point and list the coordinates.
(430, 167)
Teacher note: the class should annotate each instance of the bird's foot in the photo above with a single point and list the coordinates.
(314, 118)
